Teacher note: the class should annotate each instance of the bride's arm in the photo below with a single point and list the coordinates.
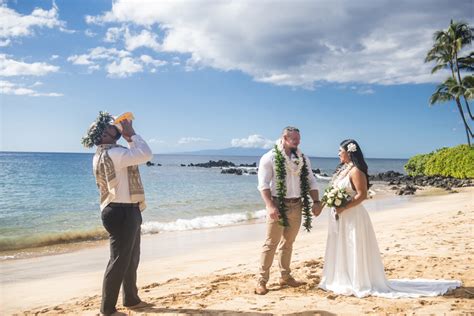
(359, 180)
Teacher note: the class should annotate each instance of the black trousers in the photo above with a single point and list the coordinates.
(122, 222)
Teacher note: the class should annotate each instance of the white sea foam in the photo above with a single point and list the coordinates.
(322, 177)
(202, 222)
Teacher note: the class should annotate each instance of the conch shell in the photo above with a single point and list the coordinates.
(125, 116)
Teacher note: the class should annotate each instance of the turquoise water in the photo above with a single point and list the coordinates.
(52, 197)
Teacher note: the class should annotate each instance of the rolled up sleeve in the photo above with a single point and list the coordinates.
(265, 172)
(138, 153)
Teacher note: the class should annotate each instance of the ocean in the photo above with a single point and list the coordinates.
(52, 198)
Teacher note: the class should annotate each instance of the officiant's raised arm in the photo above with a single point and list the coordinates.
(138, 152)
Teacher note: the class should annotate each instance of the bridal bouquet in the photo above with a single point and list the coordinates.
(335, 197)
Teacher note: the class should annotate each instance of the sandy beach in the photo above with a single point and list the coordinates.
(212, 271)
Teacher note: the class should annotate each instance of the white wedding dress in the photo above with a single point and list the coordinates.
(353, 265)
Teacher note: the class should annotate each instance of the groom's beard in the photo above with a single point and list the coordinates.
(294, 152)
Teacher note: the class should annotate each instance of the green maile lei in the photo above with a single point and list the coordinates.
(280, 169)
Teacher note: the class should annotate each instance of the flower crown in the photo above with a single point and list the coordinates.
(352, 147)
(94, 133)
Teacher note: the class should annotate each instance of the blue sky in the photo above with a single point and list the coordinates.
(216, 74)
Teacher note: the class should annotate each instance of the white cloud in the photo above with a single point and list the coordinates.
(117, 63)
(155, 62)
(253, 141)
(124, 68)
(5, 43)
(53, 57)
(112, 56)
(365, 91)
(144, 39)
(89, 33)
(98, 53)
(10, 67)
(297, 44)
(80, 59)
(188, 140)
(113, 34)
(132, 40)
(156, 141)
(10, 88)
(359, 89)
(15, 24)
(176, 61)
(93, 68)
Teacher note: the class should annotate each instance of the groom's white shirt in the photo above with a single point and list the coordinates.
(267, 177)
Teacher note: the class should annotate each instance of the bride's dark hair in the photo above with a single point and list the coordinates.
(357, 157)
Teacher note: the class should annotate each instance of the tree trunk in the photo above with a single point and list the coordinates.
(469, 134)
(460, 83)
(468, 109)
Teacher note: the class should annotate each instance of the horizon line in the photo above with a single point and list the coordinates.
(172, 154)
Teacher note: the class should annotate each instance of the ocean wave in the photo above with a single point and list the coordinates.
(202, 222)
(11, 243)
(18, 243)
(6, 257)
(323, 178)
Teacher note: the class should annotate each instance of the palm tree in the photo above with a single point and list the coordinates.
(468, 85)
(460, 35)
(467, 64)
(450, 90)
(445, 52)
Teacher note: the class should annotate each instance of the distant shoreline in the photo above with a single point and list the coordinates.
(180, 154)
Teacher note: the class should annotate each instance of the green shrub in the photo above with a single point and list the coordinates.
(457, 162)
(416, 165)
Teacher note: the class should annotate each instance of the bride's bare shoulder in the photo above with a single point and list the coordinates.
(356, 172)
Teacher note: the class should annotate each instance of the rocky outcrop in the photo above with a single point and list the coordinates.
(240, 171)
(404, 184)
(254, 165)
(151, 164)
(212, 163)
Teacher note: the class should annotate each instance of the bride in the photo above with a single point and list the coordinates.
(352, 264)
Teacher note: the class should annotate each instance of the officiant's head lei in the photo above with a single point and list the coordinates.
(356, 156)
(93, 136)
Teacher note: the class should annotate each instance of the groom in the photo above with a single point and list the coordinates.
(278, 236)
(121, 201)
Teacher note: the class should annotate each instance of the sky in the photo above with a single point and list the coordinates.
(217, 74)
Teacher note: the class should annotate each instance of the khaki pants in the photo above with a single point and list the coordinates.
(282, 238)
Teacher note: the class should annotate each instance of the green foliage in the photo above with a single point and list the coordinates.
(280, 169)
(281, 186)
(304, 183)
(416, 165)
(456, 162)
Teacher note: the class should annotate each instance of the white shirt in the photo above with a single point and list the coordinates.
(267, 177)
(137, 153)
